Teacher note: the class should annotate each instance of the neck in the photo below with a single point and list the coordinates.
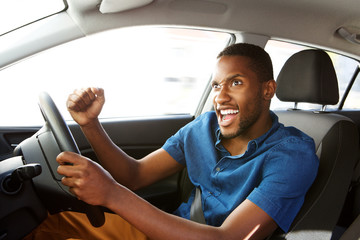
(238, 145)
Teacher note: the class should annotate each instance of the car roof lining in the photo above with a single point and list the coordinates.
(311, 24)
(310, 21)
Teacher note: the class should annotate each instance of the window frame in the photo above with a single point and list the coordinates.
(342, 95)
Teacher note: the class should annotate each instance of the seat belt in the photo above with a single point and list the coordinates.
(196, 212)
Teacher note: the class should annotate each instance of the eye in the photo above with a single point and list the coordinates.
(215, 85)
(237, 82)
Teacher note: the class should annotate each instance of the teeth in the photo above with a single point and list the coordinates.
(228, 111)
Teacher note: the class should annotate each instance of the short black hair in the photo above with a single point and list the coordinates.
(261, 61)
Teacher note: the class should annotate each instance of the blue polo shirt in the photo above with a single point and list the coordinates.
(274, 173)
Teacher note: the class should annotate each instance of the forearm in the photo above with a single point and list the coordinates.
(121, 166)
(155, 223)
(92, 184)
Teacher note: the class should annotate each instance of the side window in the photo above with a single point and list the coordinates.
(344, 66)
(145, 71)
(353, 99)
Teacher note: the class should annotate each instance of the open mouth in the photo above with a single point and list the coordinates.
(228, 114)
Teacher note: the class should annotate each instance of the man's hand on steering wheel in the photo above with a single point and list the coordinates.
(86, 179)
(56, 126)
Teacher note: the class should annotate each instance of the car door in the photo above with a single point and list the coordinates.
(137, 137)
(152, 89)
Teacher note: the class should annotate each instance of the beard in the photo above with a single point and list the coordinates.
(246, 120)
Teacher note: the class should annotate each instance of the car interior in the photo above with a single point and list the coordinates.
(315, 50)
(335, 137)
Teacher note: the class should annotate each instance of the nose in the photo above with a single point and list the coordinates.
(222, 96)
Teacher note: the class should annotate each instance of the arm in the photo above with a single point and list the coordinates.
(247, 221)
(84, 177)
(85, 106)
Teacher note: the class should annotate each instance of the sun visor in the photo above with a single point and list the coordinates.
(112, 6)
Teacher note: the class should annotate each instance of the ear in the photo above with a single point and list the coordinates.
(269, 89)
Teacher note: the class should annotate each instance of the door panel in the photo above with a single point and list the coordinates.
(137, 137)
(11, 137)
(134, 133)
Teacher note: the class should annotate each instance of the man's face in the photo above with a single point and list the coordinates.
(238, 100)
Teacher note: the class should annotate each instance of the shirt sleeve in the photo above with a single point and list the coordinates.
(191, 138)
(175, 147)
(288, 172)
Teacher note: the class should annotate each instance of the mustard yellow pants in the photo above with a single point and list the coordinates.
(72, 225)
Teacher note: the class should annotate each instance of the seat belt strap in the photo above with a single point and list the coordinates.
(196, 212)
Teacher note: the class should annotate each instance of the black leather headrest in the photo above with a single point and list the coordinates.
(308, 76)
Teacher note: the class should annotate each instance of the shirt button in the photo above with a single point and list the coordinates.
(218, 169)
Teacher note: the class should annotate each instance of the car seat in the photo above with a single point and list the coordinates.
(309, 77)
(352, 231)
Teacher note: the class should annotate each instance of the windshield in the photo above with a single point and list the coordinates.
(145, 71)
(17, 13)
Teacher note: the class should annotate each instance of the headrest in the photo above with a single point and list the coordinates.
(308, 76)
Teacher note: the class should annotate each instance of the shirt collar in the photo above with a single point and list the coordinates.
(257, 141)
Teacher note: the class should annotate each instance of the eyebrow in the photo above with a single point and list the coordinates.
(234, 76)
(229, 78)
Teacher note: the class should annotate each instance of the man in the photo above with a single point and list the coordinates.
(252, 171)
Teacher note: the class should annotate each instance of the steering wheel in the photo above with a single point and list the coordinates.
(65, 142)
